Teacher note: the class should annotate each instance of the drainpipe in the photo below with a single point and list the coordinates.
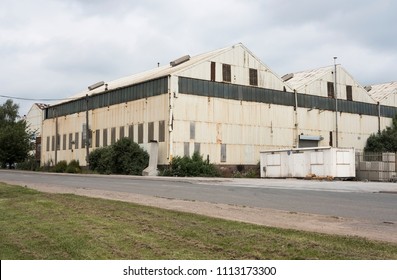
(336, 104)
(87, 131)
(378, 117)
(56, 135)
(296, 120)
(170, 119)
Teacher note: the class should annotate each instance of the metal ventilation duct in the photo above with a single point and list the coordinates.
(96, 85)
(180, 60)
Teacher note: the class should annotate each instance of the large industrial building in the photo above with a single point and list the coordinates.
(225, 104)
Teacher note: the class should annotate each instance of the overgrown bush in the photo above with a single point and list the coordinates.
(123, 157)
(30, 164)
(73, 167)
(193, 166)
(60, 167)
(385, 141)
(100, 160)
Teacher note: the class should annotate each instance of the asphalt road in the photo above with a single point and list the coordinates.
(376, 202)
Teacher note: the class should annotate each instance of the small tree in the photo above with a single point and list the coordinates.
(123, 157)
(128, 157)
(14, 136)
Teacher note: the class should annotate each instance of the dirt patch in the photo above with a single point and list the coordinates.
(261, 216)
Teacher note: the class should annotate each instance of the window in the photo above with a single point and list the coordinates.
(330, 139)
(58, 142)
(76, 140)
(140, 133)
(192, 130)
(227, 73)
(131, 132)
(330, 90)
(97, 138)
(223, 152)
(349, 93)
(186, 150)
(70, 141)
(48, 144)
(86, 139)
(64, 142)
(197, 148)
(253, 77)
(53, 143)
(213, 65)
(83, 138)
(121, 132)
(112, 135)
(105, 137)
(150, 131)
(161, 131)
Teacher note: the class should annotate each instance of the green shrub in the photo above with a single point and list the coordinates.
(128, 158)
(60, 167)
(100, 160)
(123, 157)
(193, 166)
(30, 164)
(73, 167)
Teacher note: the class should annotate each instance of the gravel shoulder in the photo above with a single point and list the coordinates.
(261, 216)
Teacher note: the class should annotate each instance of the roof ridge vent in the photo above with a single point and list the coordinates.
(96, 85)
(180, 60)
(287, 77)
(368, 88)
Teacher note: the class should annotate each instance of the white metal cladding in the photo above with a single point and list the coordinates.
(315, 81)
(385, 93)
(134, 113)
(231, 122)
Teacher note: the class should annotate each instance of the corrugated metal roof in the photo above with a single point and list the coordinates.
(300, 79)
(150, 74)
(382, 91)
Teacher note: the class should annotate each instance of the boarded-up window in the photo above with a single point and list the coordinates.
(83, 138)
(213, 69)
(105, 137)
(58, 142)
(330, 89)
(150, 132)
(48, 144)
(76, 140)
(161, 131)
(253, 77)
(53, 143)
(64, 142)
(113, 135)
(349, 93)
(192, 130)
(70, 141)
(197, 148)
(131, 132)
(186, 150)
(121, 132)
(97, 138)
(140, 133)
(223, 152)
(330, 139)
(227, 73)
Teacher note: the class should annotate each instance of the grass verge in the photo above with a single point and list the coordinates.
(36, 225)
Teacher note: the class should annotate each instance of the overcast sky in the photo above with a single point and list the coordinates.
(56, 48)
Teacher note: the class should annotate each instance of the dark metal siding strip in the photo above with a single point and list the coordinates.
(255, 94)
(111, 97)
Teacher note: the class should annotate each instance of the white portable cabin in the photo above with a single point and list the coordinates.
(304, 162)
